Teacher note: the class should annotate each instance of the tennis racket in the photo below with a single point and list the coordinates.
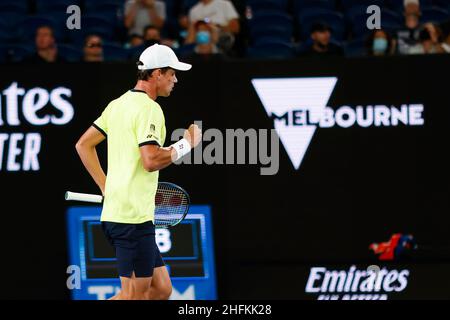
(171, 203)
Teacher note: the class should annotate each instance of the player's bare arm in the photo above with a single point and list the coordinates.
(88, 154)
(156, 158)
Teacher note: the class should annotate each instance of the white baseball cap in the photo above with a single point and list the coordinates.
(161, 56)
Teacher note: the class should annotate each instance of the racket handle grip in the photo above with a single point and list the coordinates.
(85, 197)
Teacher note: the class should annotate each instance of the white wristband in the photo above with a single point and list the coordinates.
(182, 147)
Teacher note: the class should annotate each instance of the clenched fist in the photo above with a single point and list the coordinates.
(193, 135)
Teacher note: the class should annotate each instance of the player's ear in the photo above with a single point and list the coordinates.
(155, 73)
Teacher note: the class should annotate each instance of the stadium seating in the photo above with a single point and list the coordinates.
(443, 4)
(434, 14)
(390, 20)
(279, 32)
(269, 18)
(60, 6)
(14, 6)
(6, 36)
(70, 53)
(356, 47)
(182, 51)
(346, 4)
(111, 52)
(93, 24)
(111, 10)
(271, 48)
(114, 52)
(31, 23)
(9, 25)
(305, 5)
(98, 6)
(275, 25)
(14, 52)
(268, 5)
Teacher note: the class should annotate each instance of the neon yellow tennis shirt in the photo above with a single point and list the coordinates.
(129, 122)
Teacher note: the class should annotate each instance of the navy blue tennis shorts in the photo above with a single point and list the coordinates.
(135, 247)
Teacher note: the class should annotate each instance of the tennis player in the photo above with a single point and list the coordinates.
(134, 126)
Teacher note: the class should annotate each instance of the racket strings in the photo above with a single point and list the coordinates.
(171, 204)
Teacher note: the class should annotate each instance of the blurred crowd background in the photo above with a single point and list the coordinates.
(118, 30)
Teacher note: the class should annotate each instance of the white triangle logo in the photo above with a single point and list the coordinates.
(284, 95)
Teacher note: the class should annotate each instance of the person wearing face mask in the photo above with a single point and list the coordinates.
(220, 14)
(379, 43)
(205, 45)
(204, 39)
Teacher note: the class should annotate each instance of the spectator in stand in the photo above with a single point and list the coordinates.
(430, 38)
(321, 42)
(93, 49)
(409, 35)
(205, 39)
(204, 47)
(152, 35)
(380, 43)
(46, 49)
(141, 13)
(411, 7)
(134, 40)
(222, 15)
